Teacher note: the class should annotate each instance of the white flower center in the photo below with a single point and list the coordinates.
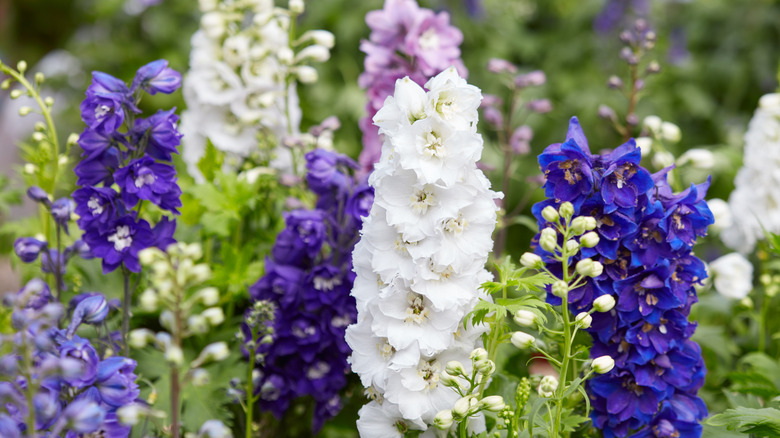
(456, 225)
(416, 312)
(429, 40)
(421, 200)
(121, 238)
(385, 349)
(433, 145)
(446, 106)
(145, 179)
(429, 371)
(305, 332)
(662, 329)
(318, 370)
(340, 321)
(95, 206)
(444, 273)
(101, 111)
(322, 283)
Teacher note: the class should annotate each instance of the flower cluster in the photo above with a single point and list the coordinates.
(241, 83)
(308, 280)
(645, 261)
(405, 41)
(755, 199)
(420, 261)
(132, 154)
(55, 381)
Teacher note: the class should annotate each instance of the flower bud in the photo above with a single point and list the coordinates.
(319, 37)
(581, 224)
(209, 296)
(37, 194)
(448, 379)
(200, 272)
(148, 300)
(589, 268)
(606, 112)
(455, 368)
(138, 338)
(560, 288)
(604, 303)
(212, 352)
(645, 144)
(23, 111)
(589, 239)
(443, 420)
(493, 403)
(548, 240)
(129, 414)
(653, 124)
(698, 158)
(174, 355)
(306, 74)
(548, 386)
(200, 377)
(6, 84)
(522, 340)
(540, 106)
(28, 248)
(478, 355)
(583, 319)
(531, 260)
(670, 132)
(214, 315)
(314, 53)
(663, 159)
(15, 94)
(464, 407)
(21, 66)
(566, 210)
(296, 7)
(486, 367)
(603, 364)
(213, 24)
(525, 318)
(572, 246)
(149, 255)
(550, 215)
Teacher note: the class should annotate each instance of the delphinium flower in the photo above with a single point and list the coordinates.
(186, 309)
(755, 199)
(56, 381)
(645, 239)
(308, 279)
(421, 256)
(126, 167)
(240, 90)
(406, 41)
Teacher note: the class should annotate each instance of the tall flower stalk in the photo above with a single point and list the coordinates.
(421, 257)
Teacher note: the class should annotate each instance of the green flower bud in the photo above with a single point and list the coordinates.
(455, 368)
(548, 240)
(583, 319)
(560, 288)
(15, 94)
(464, 407)
(6, 84)
(23, 111)
(548, 386)
(581, 224)
(478, 355)
(566, 210)
(493, 403)
(604, 303)
(589, 239)
(443, 420)
(39, 78)
(531, 260)
(550, 215)
(21, 66)
(572, 246)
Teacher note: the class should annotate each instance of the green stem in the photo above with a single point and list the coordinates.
(250, 397)
(126, 309)
(462, 433)
(567, 339)
(762, 326)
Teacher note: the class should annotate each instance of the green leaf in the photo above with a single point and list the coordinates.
(211, 162)
(571, 422)
(759, 422)
(481, 312)
(751, 382)
(538, 403)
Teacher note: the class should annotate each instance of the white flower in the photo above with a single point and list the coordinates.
(733, 275)
(722, 212)
(698, 158)
(385, 421)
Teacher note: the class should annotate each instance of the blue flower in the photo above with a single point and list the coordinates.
(81, 350)
(98, 168)
(116, 381)
(28, 248)
(96, 206)
(567, 167)
(62, 210)
(160, 133)
(104, 108)
(156, 77)
(623, 179)
(120, 243)
(144, 178)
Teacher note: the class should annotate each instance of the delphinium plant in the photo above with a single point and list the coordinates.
(421, 256)
(406, 41)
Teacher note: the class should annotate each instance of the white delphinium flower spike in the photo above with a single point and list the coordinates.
(421, 258)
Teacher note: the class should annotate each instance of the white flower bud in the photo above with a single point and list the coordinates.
(167, 320)
(464, 407)
(550, 214)
(581, 224)
(572, 246)
(209, 296)
(589, 239)
(314, 53)
(443, 420)
(138, 338)
(560, 288)
(698, 158)
(213, 24)
(597, 269)
(148, 300)
(548, 386)
(62, 160)
(296, 6)
(15, 94)
(447, 379)
(525, 318)
(455, 368)
(174, 355)
(670, 132)
(548, 240)
(522, 340)
(23, 111)
(198, 324)
(130, 414)
(200, 272)
(193, 251)
(583, 319)
(645, 144)
(589, 268)
(200, 377)
(30, 168)
(603, 364)
(319, 37)
(478, 355)
(207, 5)
(531, 260)
(604, 303)
(566, 210)
(212, 352)
(285, 55)
(653, 124)
(493, 403)
(214, 315)
(663, 159)
(486, 367)
(21, 66)
(306, 74)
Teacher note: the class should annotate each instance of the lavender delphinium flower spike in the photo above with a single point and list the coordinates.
(405, 40)
(646, 234)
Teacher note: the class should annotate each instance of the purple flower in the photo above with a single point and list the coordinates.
(116, 381)
(160, 133)
(96, 206)
(104, 108)
(9, 427)
(144, 178)
(62, 210)
(359, 204)
(98, 168)
(624, 180)
(84, 416)
(90, 308)
(79, 248)
(28, 248)
(120, 243)
(37, 194)
(157, 77)
(567, 166)
(323, 173)
(81, 350)
(94, 143)
(433, 42)
(163, 233)
(35, 294)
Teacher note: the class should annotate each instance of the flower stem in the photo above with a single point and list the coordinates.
(462, 432)
(126, 309)
(250, 396)
(175, 383)
(567, 338)
(59, 268)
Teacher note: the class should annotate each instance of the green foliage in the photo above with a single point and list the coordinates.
(758, 422)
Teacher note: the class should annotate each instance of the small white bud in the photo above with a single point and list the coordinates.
(464, 407)
(663, 159)
(455, 368)
(73, 139)
(209, 296)
(212, 352)
(550, 214)
(15, 94)
(174, 355)
(62, 160)
(296, 7)
(566, 210)
(589, 268)
(148, 300)
(38, 136)
(698, 158)
(198, 324)
(525, 318)
(604, 303)
(150, 255)
(589, 239)
(645, 144)
(306, 74)
(583, 319)
(6, 84)
(200, 272)
(314, 53)
(443, 420)
(560, 288)
(21, 66)
(548, 240)
(493, 403)
(531, 260)
(129, 414)
(207, 5)
(670, 132)
(603, 364)
(214, 315)
(167, 320)
(487, 367)
(319, 37)
(213, 24)
(30, 168)
(48, 101)
(200, 377)
(722, 213)
(522, 340)
(447, 379)
(572, 246)
(478, 355)
(23, 111)
(548, 386)
(138, 338)
(581, 224)
(653, 124)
